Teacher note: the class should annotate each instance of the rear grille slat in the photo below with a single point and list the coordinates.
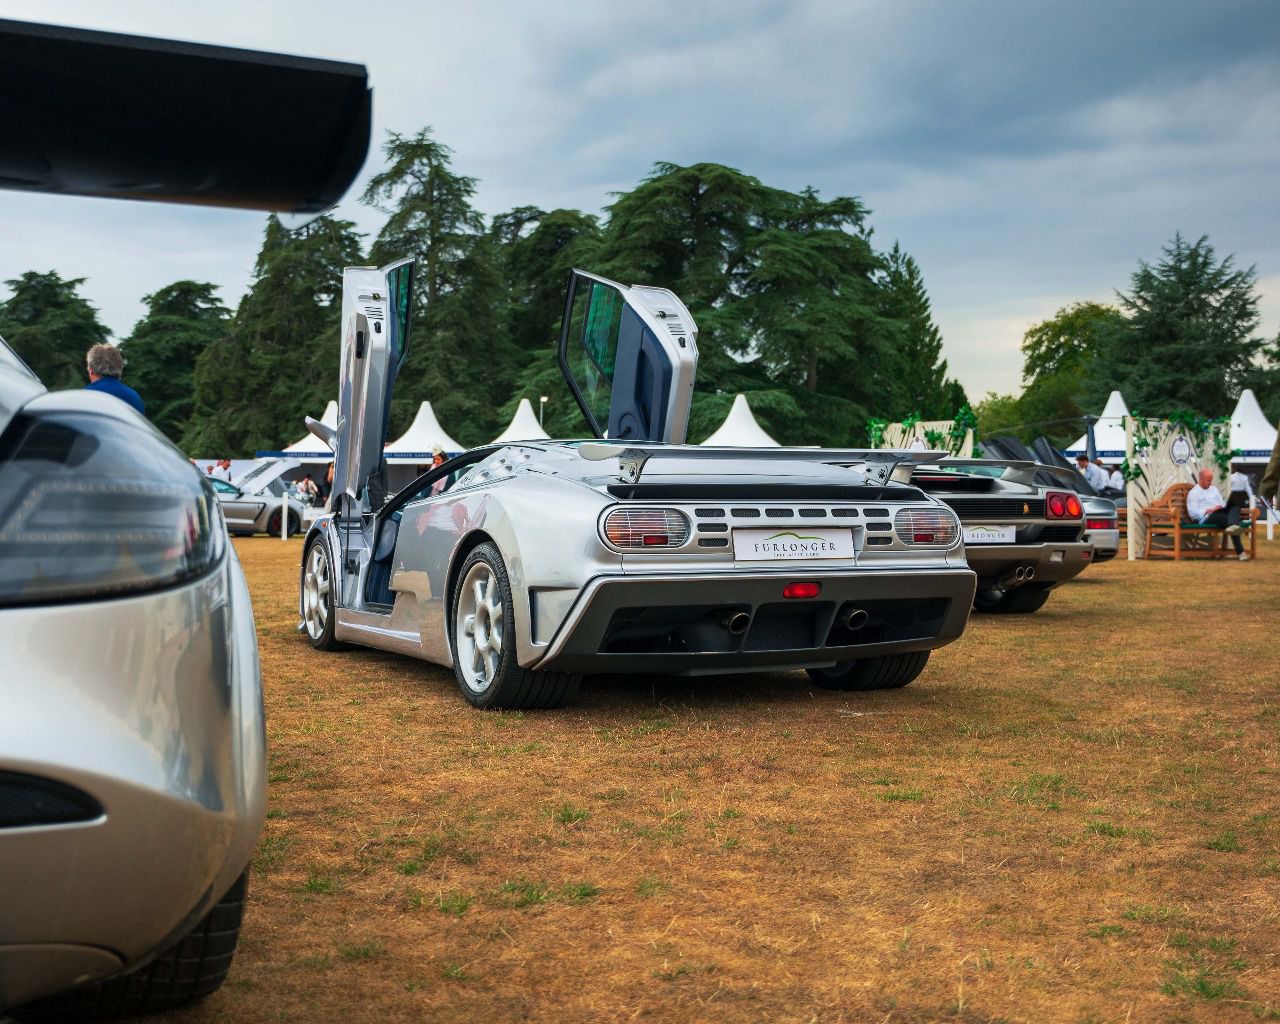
(996, 508)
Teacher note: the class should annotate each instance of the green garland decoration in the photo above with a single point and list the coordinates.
(875, 432)
(1201, 429)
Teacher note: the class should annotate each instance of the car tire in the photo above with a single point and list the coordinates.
(193, 967)
(887, 673)
(486, 669)
(1023, 600)
(319, 614)
(273, 524)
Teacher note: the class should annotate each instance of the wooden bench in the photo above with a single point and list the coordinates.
(1167, 518)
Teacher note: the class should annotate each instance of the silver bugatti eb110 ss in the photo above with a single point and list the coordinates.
(524, 566)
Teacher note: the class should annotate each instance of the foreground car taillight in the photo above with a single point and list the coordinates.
(646, 528)
(926, 526)
(92, 506)
(1060, 505)
(1099, 524)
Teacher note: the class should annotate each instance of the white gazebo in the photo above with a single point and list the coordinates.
(524, 426)
(310, 448)
(740, 429)
(1108, 433)
(411, 452)
(1251, 432)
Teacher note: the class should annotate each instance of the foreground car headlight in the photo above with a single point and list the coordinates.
(92, 506)
(646, 528)
(932, 526)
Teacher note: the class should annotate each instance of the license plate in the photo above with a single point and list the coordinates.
(990, 534)
(792, 545)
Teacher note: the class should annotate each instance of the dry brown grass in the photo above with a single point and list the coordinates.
(1070, 816)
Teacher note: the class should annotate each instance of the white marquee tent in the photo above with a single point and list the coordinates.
(740, 429)
(524, 426)
(1108, 433)
(422, 438)
(310, 448)
(1251, 431)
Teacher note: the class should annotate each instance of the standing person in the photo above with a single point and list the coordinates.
(1205, 505)
(437, 459)
(222, 471)
(1239, 482)
(328, 486)
(1093, 474)
(1116, 480)
(106, 366)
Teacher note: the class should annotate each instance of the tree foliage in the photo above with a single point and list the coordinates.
(182, 321)
(277, 362)
(52, 327)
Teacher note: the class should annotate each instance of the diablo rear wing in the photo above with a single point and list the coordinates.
(1015, 470)
(879, 466)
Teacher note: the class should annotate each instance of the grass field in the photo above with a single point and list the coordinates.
(1071, 816)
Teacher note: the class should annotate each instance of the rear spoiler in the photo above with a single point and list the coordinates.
(878, 465)
(1016, 470)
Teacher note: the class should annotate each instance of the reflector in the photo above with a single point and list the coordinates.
(801, 590)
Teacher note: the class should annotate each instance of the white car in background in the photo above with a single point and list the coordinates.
(252, 504)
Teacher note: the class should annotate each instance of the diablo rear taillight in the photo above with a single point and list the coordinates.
(646, 528)
(1061, 505)
(1100, 524)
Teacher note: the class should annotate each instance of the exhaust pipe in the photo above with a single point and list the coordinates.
(736, 623)
(1031, 572)
(855, 618)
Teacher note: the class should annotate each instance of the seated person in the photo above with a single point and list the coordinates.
(1205, 505)
(1094, 475)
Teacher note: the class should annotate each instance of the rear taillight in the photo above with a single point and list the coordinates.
(646, 528)
(933, 526)
(1060, 505)
(800, 590)
(1099, 524)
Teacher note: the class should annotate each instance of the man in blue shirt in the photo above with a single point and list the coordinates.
(106, 366)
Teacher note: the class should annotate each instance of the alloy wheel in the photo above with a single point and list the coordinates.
(479, 627)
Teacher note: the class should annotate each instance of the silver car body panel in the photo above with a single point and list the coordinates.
(151, 704)
(248, 508)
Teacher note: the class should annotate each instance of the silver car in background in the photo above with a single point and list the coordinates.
(252, 504)
(526, 565)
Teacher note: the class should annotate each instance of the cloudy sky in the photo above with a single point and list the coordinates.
(1028, 154)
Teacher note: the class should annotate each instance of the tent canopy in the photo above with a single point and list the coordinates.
(310, 448)
(1108, 432)
(1251, 431)
(421, 439)
(740, 429)
(524, 426)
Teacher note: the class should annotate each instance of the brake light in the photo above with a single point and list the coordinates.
(1059, 505)
(631, 528)
(1100, 524)
(793, 590)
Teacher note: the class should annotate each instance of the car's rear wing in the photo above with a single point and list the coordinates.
(878, 465)
(1015, 470)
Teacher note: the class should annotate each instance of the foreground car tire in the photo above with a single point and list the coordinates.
(886, 673)
(318, 582)
(483, 641)
(192, 968)
(1028, 598)
(273, 524)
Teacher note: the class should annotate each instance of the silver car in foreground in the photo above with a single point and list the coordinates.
(524, 566)
(132, 751)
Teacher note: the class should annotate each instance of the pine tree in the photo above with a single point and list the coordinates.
(278, 361)
(921, 382)
(182, 320)
(52, 327)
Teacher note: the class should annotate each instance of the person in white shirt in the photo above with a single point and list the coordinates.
(1095, 476)
(1116, 480)
(222, 471)
(1205, 505)
(1239, 481)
